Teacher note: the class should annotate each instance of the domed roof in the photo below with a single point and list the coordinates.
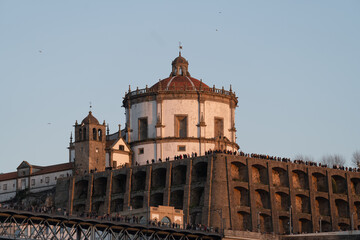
(179, 83)
(179, 60)
(90, 119)
(179, 78)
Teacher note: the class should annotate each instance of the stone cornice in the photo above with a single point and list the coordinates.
(174, 139)
(160, 96)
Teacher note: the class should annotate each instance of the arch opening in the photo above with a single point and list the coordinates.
(241, 196)
(199, 172)
(138, 181)
(239, 172)
(262, 198)
(259, 174)
(178, 175)
(158, 178)
(300, 180)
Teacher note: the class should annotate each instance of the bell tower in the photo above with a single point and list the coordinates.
(90, 143)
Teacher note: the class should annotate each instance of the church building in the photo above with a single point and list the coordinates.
(177, 115)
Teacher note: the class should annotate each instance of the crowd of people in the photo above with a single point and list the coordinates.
(253, 155)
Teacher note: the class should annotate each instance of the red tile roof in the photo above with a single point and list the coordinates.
(109, 143)
(8, 176)
(54, 168)
(43, 170)
(179, 83)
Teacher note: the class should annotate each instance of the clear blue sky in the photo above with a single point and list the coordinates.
(293, 64)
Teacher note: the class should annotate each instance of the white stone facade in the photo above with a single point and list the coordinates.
(179, 115)
(32, 178)
(7, 189)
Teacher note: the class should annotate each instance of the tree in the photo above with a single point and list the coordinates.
(335, 159)
(305, 158)
(356, 158)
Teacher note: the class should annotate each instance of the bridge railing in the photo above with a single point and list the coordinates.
(28, 225)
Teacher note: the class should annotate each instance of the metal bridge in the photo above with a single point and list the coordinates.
(29, 225)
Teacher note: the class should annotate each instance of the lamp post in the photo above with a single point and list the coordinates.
(320, 224)
(290, 226)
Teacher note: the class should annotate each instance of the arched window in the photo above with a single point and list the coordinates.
(84, 134)
(166, 221)
(100, 134)
(80, 134)
(94, 134)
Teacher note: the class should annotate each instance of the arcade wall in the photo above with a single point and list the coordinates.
(248, 193)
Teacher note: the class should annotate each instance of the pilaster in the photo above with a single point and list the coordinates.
(254, 223)
(353, 219)
(292, 211)
(88, 206)
(331, 202)
(147, 191)
(166, 200)
(274, 212)
(207, 192)
(128, 188)
(107, 202)
(187, 192)
(314, 215)
(71, 194)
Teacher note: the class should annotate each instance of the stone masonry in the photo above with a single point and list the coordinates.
(249, 194)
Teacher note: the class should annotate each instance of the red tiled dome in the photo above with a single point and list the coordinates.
(178, 83)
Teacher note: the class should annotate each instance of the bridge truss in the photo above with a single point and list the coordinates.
(28, 225)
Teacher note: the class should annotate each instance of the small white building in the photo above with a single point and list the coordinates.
(32, 178)
(179, 115)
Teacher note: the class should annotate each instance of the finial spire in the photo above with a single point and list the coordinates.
(90, 107)
(180, 48)
(71, 139)
(107, 129)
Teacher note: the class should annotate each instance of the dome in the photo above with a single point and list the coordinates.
(180, 67)
(179, 83)
(179, 60)
(90, 119)
(179, 78)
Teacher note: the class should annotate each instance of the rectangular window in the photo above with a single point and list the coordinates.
(141, 151)
(5, 187)
(121, 147)
(114, 164)
(219, 127)
(181, 123)
(143, 128)
(32, 182)
(181, 148)
(47, 179)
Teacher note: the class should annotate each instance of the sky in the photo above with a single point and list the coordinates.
(294, 66)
